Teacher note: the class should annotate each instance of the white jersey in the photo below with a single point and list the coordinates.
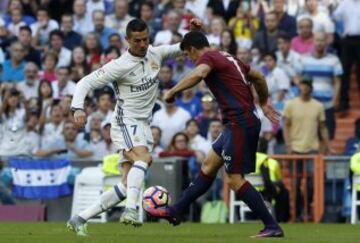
(134, 80)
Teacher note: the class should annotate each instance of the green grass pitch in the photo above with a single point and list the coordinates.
(164, 233)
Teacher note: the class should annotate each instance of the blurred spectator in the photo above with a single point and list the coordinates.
(321, 20)
(348, 12)
(180, 68)
(190, 102)
(13, 68)
(197, 8)
(63, 85)
(178, 146)
(244, 55)
(215, 129)
(287, 59)
(244, 25)
(109, 54)
(353, 143)
(228, 43)
(49, 59)
(19, 5)
(217, 26)
(267, 133)
(82, 19)
(120, 18)
(116, 41)
(166, 77)
(325, 70)
(57, 46)
(30, 86)
(78, 65)
(42, 27)
(265, 40)
(32, 138)
(13, 127)
(304, 42)
(65, 104)
(277, 81)
(71, 38)
(93, 50)
(31, 54)
(5, 38)
(287, 23)
(67, 146)
(196, 141)
(147, 15)
(209, 112)
(225, 9)
(52, 128)
(171, 119)
(46, 96)
(100, 29)
(95, 5)
(157, 149)
(302, 129)
(16, 22)
(171, 25)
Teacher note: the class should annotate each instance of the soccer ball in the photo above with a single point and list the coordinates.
(155, 197)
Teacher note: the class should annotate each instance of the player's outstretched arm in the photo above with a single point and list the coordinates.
(190, 80)
(259, 82)
(97, 79)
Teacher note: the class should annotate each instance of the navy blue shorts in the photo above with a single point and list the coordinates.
(237, 146)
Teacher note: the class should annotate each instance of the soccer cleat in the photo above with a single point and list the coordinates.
(167, 213)
(130, 216)
(77, 225)
(269, 232)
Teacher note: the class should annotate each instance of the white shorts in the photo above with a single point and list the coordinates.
(127, 133)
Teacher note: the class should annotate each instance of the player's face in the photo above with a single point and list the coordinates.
(138, 42)
(191, 53)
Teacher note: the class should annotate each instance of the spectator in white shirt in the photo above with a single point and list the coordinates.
(82, 19)
(287, 59)
(16, 21)
(196, 141)
(120, 18)
(63, 86)
(171, 25)
(277, 81)
(157, 149)
(215, 129)
(94, 5)
(42, 28)
(57, 45)
(170, 120)
(217, 26)
(348, 12)
(321, 20)
(30, 86)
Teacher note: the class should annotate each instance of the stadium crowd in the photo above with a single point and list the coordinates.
(46, 46)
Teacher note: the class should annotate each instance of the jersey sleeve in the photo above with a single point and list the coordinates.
(97, 79)
(167, 51)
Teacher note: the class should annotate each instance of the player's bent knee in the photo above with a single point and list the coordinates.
(235, 183)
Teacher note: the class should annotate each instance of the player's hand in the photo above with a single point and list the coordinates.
(169, 96)
(195, 24)
(272, 114)
(79, 118)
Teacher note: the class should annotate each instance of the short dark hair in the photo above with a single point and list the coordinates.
(192, 120)
(284, 36)
(136, 25)
(194, 39)
(149, 4)
(58, 33)
(26, 28)
(270, 54)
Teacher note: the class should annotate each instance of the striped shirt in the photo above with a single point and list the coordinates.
(322, 70)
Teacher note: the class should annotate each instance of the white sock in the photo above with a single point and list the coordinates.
(107, 200)
(135, 180)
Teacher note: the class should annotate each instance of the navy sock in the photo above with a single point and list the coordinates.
(200, 185)
(249, 195)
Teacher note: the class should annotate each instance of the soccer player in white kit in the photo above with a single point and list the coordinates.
(134, 77)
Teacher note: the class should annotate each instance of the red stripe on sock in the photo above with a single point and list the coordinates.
(206, 177)
(243, 189)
